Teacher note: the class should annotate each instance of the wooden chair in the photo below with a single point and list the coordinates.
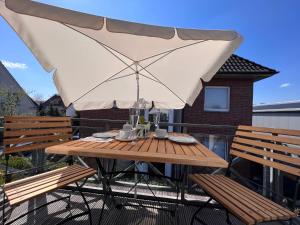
(23, 134)
(274, 148)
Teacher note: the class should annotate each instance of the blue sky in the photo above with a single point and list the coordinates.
(271, 29)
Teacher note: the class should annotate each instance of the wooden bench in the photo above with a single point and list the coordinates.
(23, 134)
(274, 148)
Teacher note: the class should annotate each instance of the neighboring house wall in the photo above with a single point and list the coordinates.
(284, 120)
(26, 106)
(54, 106)
(240, 112)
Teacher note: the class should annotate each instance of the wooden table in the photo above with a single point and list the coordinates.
(146, 150)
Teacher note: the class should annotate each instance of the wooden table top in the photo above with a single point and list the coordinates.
(147, 150)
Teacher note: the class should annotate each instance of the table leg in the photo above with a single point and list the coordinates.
(183, 177)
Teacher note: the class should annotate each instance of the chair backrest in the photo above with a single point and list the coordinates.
(24, 133)
(276, 148)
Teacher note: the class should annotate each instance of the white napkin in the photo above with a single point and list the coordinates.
(96, 139)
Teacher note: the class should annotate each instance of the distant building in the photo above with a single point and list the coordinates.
(285, 115)
(7, 83)
(54, 106)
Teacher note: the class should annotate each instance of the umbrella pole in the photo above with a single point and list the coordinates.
(137, 95)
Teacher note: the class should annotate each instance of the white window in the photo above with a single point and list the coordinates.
(217, 99)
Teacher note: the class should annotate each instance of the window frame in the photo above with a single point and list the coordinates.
(217, 110)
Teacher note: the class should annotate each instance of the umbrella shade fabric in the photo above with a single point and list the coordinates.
(100, 62)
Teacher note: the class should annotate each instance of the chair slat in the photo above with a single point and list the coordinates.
(36, 139)
(266, 162)
(35, 118)
(36, 125)
(28, 133)
(28, 188)
(269, 137)
(265, 153)
(18, 133)
(276, 147)
(270, 130)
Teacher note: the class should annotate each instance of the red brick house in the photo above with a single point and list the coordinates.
(225, 100)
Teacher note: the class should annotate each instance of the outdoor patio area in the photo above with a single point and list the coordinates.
(136, 215)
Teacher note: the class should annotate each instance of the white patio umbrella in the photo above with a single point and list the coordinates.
(98, 62)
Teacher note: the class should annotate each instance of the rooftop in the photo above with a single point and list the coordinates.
(290, 106)
(237, 65)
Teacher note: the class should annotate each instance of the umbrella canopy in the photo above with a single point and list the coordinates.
(99, 62)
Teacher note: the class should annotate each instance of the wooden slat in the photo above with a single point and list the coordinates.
(72, 177)
(153, 146)
(270, 130)
(37, 181)
(288, 140)
(31, 147)
(161, 147)
(103, 152)
(272, 206)
(146, 145)
(136, 147)
(49, 188)
(18, 133)
(17, 182)
(271, 146)
(36, 125)
(169, 147)
(257, 209)
(218, 196)
(35, 118)
(8, 141)
(230, 193)
(187, 150)
(261, 152)
(279, 166)
(252, 203)
(178, 149)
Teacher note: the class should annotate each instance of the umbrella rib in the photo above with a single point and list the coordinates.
(116, 78)
(172, 50)
(108, 79)
(160, 82)
(106, 47)
(167, 53)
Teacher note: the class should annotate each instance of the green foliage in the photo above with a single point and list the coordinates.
(20, 163)
(53, 111)
(9, 101)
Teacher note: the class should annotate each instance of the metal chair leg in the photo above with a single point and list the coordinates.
(102, 209)
(86, 203)
(228, 221)
(194, 217)
(3, 209)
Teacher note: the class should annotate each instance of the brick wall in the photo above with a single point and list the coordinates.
(113, 114)
(241, 95)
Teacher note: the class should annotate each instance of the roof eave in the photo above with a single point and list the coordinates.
(256, 76)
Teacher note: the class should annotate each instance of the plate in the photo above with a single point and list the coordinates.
(165, 137)
(105, 135)
(182, 139)
(118, 138)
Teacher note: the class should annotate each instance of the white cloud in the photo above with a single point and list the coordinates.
(14, 65)
(284, 85)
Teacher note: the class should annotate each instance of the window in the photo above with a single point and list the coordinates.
(216, 99)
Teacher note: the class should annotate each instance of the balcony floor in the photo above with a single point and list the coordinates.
(143, 216)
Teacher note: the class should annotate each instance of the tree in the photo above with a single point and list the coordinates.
(9, 101)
